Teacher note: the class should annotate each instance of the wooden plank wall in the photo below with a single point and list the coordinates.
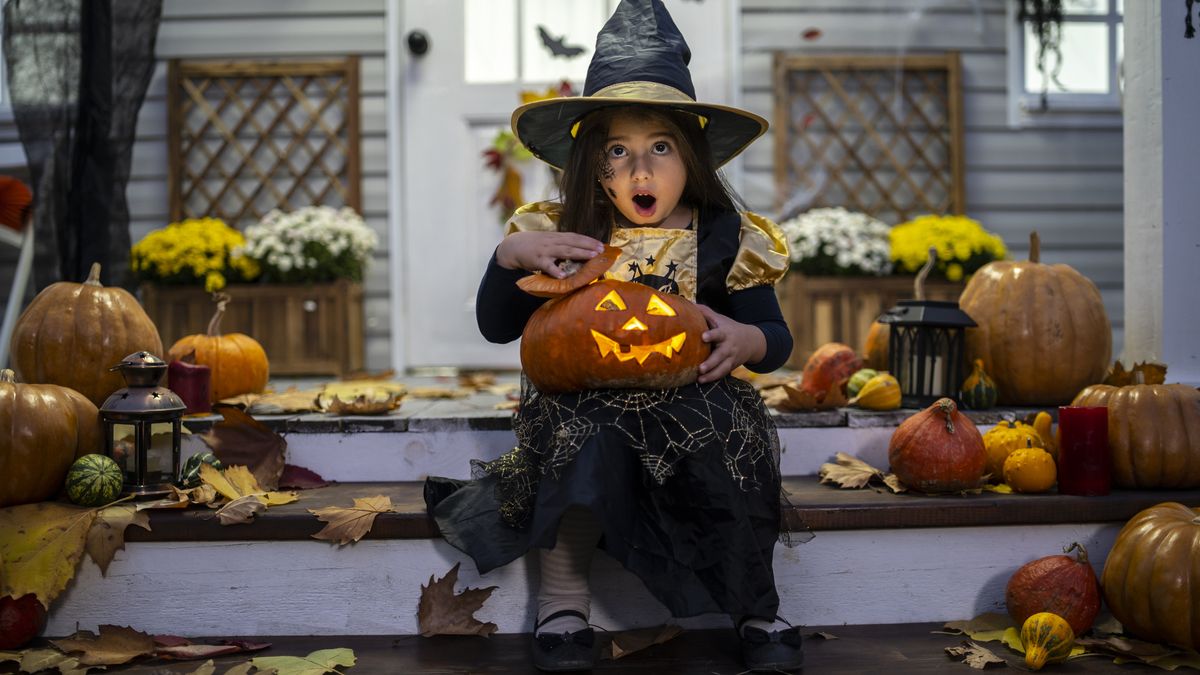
(233, 29)
(1066, 183)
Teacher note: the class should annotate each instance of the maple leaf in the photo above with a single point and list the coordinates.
(347, 525)
(626, 642)
(1144, 372)
(363, 404)
(40, 547)
(115, 645)
(291, 400)
(300, 478)
(985, 627)
(799, 399)
(206, 668)
(848, 472)
(107, 534)
(236, 482)
(178, 648)
(37, 660)
(240, 511)
(241, 439)
(976, 656)
(441, 612)
(371, 389)
(316, 663)
(440, 392)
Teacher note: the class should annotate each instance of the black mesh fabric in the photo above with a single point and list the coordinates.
(77, 76)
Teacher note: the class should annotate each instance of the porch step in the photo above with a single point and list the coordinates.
(900, 649)
(875, 558)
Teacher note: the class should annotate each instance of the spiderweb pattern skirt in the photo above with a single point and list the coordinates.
(684, 482)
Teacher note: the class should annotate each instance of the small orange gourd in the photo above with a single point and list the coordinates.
(238, 362)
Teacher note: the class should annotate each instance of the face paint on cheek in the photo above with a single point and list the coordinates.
(607, 172)
(612, 193)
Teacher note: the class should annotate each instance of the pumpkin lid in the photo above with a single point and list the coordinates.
(927, 313)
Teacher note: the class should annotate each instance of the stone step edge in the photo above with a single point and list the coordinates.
(811, 507)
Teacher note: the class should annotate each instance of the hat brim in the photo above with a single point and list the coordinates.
(544, 127)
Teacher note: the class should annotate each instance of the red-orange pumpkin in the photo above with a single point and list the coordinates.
(938, 450)
(1058, 584)
(832, 363)
(613, 334)
(237, 362)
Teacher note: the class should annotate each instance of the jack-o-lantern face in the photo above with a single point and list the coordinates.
(613, 334)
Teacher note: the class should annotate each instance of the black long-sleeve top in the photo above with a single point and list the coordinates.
(502, 309)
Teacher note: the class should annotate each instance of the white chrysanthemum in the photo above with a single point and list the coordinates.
(853, 242)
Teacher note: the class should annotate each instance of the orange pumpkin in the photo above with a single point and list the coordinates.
(71, 334)
(45, 428)
(614, 334)
(237, 362)
(832, 364)
(875, 351)
(938, 450)
(1153, 433)
(1042, 330)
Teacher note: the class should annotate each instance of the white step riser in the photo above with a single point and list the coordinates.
(371, 588)
(413, 455)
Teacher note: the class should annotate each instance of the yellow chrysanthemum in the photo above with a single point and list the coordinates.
(196, 250)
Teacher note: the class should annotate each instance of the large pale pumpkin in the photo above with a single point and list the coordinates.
(1153, 433)
(1151, 579)
(72, 334)
(237, 362)
(938, 450)
(44, 427)
(1043, 333)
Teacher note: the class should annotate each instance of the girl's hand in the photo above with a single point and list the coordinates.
(733, 344)
(541, 251)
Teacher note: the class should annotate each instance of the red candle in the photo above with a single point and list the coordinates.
(1084, 463)
(192, 381)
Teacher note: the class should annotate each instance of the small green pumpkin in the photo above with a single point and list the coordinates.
(979, 390)
(858, 379)
(94, 480)
(189, 475)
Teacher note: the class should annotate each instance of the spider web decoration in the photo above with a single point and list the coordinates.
(248, 137)
(880, 135)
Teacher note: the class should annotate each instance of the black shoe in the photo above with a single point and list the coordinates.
(774, 651)
(557, 652)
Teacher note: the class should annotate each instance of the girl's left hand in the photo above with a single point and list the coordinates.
(733, 344)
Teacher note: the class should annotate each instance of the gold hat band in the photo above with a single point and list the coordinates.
(644, 91)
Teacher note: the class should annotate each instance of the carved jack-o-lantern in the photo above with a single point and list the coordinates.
(612, 334)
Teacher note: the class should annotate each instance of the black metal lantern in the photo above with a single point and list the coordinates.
(143, 426)
(925, 349)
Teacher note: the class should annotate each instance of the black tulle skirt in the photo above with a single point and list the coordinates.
(684, 482)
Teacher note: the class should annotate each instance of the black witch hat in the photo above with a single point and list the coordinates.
(640, 58)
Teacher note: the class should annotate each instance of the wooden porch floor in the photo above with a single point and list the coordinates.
(897, 648)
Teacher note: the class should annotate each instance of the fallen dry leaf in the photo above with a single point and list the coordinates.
(107, 534)
(984, 628)
(799, 399)
(245, 668)
(241, 510)
(291, 400)
(477, 380)
(824, 636)
(384, 375)
(40, 548)
(37, 660)
(775, 397)
(363, 404)
(441, 612)
(235, 482)
(115, 645)
(1144, 372)
(353, 389)
(182, 649)
(507, 405)
(316, 663)
(349, 524)
(626, 642)
(299, 478)
(976, 656)
(440, 392)
(206, 668)
(1161, 656)
(848, 472)
(241, 439)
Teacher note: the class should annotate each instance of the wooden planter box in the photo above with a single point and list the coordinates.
(306, 329)
(841, 309)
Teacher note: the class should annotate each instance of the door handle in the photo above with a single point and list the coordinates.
(418, 42)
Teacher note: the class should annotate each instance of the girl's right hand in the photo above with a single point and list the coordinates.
(541, 251)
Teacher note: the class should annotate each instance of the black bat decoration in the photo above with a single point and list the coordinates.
(557, 46)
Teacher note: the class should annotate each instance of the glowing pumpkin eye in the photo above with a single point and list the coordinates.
(611, 303)
(659, 307)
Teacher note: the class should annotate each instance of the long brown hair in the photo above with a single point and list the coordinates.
(588, 210)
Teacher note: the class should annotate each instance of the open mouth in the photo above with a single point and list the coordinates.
(667, 348)
(644, 203)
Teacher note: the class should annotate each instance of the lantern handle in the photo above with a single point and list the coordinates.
(919, 282)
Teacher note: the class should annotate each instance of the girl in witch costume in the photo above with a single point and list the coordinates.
(681, 485)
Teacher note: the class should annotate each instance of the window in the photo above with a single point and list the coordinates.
(531, 40)
(1081, 84)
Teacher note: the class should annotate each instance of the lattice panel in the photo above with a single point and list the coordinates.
(881, 135)
(248, 137)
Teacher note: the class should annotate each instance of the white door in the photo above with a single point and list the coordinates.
(455, 98)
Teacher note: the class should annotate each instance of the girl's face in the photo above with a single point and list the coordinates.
(642, 171)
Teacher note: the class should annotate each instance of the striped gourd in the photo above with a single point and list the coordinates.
(94, 480)
(979, 390)
(1047, 638)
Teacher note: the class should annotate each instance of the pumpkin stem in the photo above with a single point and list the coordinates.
(1081, 556)
(947, 408)
(214, 325)
(1035, 247)
(93, 278)
(919, 282)
(7, 375)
